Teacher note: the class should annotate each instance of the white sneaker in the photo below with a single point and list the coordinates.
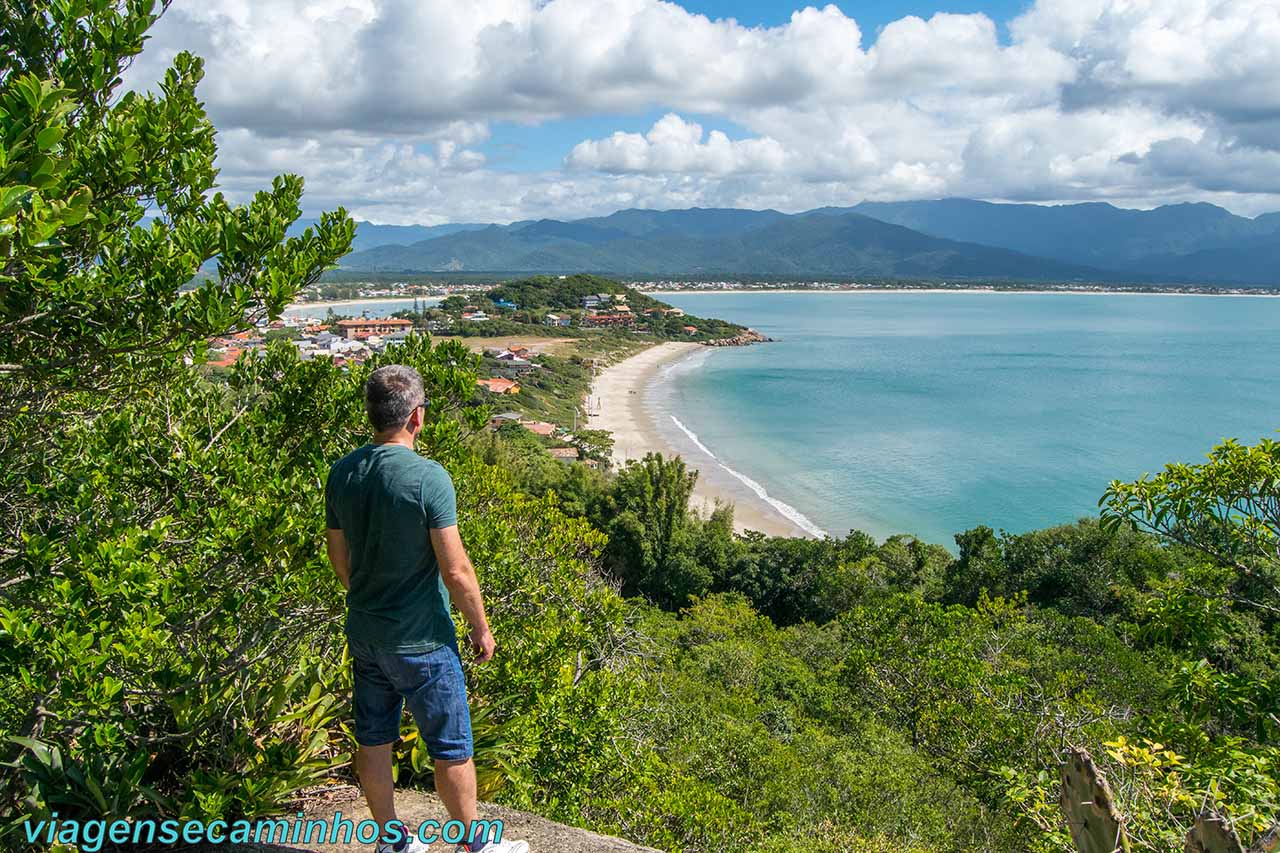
(413, 845)
(497, 847)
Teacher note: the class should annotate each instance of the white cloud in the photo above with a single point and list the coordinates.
(1213, 163)
(384, 105)
(960, 55)
(1046, 154)
(675, 145)
(1216, 57)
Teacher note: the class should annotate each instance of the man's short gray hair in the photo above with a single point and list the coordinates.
(391, 395)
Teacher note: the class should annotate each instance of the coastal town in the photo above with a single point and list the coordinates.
(531, 389)
(348, 340)
(428, 287)
(351, 341)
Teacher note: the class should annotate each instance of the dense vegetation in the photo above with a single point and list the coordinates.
(521, 307)
(170, 639)
(785, 667)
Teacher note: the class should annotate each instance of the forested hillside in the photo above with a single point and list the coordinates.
(1176, 242)
(851, 687)
(813, 244)
(170, 633)
(947, 238)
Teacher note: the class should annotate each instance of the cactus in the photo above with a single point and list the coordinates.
(1269, 842)
(1212, 833)
(1096, 826)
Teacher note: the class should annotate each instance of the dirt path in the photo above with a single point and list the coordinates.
(535, 344)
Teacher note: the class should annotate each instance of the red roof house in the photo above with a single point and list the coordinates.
(500, 386)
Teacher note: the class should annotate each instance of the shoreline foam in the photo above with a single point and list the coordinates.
(621, 395)
(789, 512)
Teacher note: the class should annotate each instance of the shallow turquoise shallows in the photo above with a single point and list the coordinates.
(930, 413)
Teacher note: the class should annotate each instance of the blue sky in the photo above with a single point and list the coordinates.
(543, 146)
(531, 147)
(434, 111)
(871, 15)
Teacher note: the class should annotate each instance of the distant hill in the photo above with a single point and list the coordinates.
(1257, 264)
(860, 246)
(949, 238)
(683, 242)
(694, 222)
(1149, 242)
(1270, 222)
(369, 235)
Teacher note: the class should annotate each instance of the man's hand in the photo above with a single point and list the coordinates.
(483, 643)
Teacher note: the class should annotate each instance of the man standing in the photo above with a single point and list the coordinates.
(393, 541)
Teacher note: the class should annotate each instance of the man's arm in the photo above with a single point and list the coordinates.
(339, 556)
(459, 578)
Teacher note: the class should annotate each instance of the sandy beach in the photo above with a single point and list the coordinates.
(618, 404)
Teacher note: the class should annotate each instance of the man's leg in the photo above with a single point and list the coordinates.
(456, 785)
(378, 708)
(373, 767)
(444, 724)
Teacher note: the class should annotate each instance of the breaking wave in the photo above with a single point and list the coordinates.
(786, 509)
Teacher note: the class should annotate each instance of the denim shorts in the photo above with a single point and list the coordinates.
(430, 683)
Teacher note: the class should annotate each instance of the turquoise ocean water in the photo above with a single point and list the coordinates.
(930, 413)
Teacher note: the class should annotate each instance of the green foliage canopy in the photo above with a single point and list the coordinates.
(108, 208)
(1227, 509)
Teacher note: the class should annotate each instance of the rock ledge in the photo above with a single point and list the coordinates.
(750, 336)
(414, 807)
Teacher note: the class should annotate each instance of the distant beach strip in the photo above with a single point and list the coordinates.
(621, 401)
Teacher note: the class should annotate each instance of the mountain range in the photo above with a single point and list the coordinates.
(948, 238)
(1190, 241)
(370, 236)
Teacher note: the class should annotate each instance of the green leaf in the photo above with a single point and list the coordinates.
(49, 137)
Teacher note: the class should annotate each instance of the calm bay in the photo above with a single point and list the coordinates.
(930, 413)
